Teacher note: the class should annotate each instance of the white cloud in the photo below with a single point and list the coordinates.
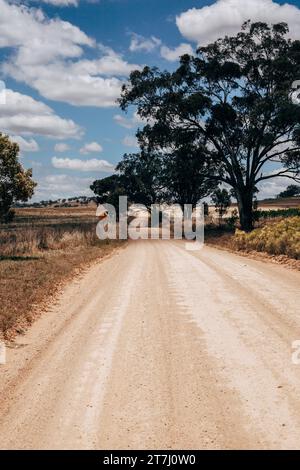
(27, 28)
(91, 147)
(82, 165)
(271, 188)
(61, 147)
(49, 56)
(62, 3)
(123, 122)
(140, 43)
(128, 123)
(173, 54)
(24, 115)
(79, 90)
(78, 83)
(205, 25)
(65, 3)
(29, 145)
(17, 103)
(62, 186)
(130, 141)
(111, 63)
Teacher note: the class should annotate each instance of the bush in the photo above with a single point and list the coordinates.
(281, 238)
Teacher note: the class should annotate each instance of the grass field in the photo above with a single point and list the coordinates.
(282, 203)
(39, 251)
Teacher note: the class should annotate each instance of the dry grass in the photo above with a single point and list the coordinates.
(281, 238)
(34, 240)
(275, 240)
(281, 203)
(56, 213)
(37, 255)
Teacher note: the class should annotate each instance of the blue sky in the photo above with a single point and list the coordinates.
(63, 62)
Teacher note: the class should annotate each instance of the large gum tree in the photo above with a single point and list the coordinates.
(234, 98)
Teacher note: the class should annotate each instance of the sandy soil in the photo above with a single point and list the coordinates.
(160, 348)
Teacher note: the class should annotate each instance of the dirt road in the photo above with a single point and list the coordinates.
(160, 348)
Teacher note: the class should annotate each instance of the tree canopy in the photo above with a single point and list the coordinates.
(108, 190)
(141, 176)
(222, 201)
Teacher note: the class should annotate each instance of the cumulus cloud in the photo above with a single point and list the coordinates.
(62, 3)
(173, 54)
(91, 147)
(61, 147)
(128, 123)
(29, 145)
(205, 25)
(271, 188)
(130, 141)
(123, 121)
(48, 55)
(65, 3)
(49, 38)
(24, 115)
(82, 165)
(141, 44)
(62, 186)
(78, 83)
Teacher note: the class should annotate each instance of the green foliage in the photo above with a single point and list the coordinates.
(184, 175)
(233, 219)
(16, 184)
(108, 190)
(142, 177)
(222, 201)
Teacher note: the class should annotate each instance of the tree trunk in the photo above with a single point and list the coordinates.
(245, 205)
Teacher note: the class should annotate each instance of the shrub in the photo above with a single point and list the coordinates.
(281, 238)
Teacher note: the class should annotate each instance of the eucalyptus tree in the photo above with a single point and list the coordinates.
(233, 98)
(16, 184)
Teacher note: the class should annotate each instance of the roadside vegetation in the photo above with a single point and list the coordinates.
(38, 253)
(278, 238)
(276, 233)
